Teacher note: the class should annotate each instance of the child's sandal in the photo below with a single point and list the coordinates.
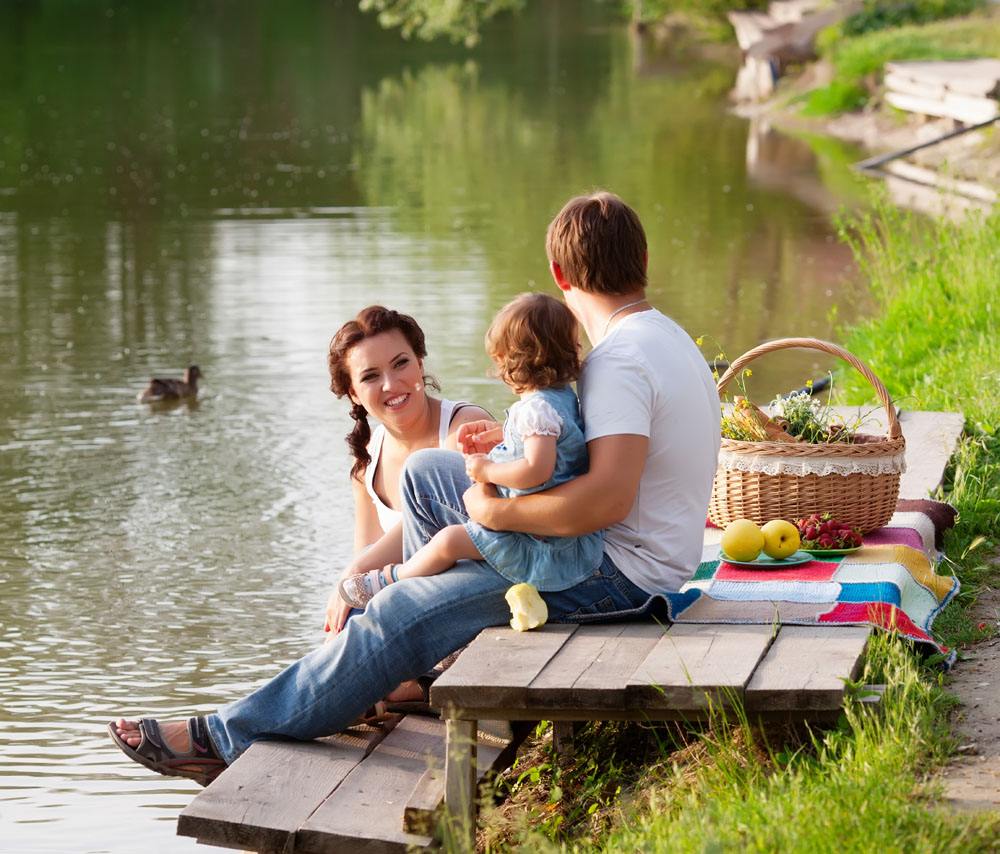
(358, 590)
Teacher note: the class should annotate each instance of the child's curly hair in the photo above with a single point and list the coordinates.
(534, 344)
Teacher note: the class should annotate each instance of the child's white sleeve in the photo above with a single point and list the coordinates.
(535, 416)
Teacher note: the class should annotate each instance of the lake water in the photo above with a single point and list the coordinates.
(225, 183)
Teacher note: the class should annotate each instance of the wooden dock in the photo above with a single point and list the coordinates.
(384, 790)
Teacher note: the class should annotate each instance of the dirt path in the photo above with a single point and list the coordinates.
(972, 780)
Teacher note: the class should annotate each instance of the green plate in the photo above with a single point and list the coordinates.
(831, 552)
(765, 562)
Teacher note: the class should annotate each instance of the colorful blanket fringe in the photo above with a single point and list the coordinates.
(890, 582)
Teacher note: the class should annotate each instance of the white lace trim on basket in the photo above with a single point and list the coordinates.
(801, 466)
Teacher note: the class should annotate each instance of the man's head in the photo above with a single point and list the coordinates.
(598, 244)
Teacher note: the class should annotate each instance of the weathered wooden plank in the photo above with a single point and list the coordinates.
(497, 667)
(805, 668)
(693, 666)
(365, 812)
(971, 76)
(266, 794)
(896, 82)
(424, 806)
(972, 110)
(593, 667)
(420, 815)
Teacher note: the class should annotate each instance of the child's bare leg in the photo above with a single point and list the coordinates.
(445, 549)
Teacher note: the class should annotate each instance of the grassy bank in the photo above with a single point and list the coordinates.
(933, 342)
(857, 60)
(865, 785)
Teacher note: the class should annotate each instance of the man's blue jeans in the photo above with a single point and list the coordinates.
(406, 629)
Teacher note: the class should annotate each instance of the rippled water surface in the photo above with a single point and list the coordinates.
(225, 183)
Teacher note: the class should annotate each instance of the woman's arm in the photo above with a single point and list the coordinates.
(366, 525)
(533, 469)
(595, 500)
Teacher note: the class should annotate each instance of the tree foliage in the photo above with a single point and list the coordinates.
(458, 20)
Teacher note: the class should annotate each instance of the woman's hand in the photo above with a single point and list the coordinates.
(479, 437)
(336, 614)
(475, 467)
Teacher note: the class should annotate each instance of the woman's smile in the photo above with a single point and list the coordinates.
(397, 402)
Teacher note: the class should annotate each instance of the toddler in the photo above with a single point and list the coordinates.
(534, 345)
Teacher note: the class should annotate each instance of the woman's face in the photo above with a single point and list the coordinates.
(387, 378)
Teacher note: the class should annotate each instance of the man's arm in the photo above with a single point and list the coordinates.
(595, 500)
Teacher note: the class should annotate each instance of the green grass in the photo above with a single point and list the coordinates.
(933, 342)
(729, 786)
(866, 785)
(858, 60)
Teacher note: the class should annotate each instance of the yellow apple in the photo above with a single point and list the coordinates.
(527, 608)
(742, 540)
(781, 539)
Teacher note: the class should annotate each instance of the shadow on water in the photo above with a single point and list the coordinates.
(225, 184)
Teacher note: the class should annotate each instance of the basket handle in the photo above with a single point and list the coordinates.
(895, 431)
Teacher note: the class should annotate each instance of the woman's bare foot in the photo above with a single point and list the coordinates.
(407, 692)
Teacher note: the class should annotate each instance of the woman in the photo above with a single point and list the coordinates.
(376, 360)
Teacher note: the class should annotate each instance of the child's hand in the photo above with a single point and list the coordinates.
(479, 437)
(475, 467)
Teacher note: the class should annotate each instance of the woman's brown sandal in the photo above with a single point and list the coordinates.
(199, 763)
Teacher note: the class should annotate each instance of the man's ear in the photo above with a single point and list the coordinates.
(558, 277)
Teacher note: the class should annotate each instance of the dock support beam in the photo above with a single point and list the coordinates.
(460, 782)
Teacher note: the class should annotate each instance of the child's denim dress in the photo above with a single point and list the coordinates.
(549, 563)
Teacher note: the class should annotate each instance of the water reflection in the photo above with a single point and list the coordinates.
(186, 184)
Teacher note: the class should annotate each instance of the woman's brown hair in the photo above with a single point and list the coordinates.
(534, 343)
(370, 321)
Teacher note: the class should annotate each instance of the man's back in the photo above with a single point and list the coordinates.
(648, 378)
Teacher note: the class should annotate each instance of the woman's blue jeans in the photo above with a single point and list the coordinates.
(406, 629)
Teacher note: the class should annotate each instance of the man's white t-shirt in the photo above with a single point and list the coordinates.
(648, 378)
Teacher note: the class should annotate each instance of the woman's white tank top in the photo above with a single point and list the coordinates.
(387, 517)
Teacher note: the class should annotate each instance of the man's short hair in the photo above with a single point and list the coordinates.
(599, 244)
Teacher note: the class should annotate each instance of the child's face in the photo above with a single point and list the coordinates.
(386, 376)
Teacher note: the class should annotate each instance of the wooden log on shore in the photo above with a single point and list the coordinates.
(906, 85)
(976, 77)
(963, 108)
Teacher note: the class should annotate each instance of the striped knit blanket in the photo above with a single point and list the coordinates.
(890, 582)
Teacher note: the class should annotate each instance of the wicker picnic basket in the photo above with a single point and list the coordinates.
(857, 482)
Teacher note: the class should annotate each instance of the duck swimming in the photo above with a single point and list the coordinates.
(170, 389)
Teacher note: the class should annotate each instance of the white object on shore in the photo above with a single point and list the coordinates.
(964, 90)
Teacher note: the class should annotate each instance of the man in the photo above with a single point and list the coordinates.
(651, 415)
